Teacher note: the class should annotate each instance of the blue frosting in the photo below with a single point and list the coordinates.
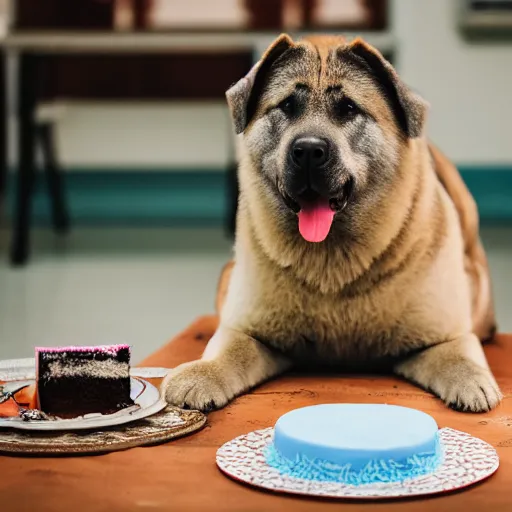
(375, 471)
(355, 443)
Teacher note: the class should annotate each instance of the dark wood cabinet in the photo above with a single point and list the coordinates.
(123, 77)
(141, 77)
(64, 14)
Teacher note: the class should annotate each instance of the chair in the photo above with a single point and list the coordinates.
(38, 132)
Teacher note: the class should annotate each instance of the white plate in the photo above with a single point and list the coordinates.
(147, 402)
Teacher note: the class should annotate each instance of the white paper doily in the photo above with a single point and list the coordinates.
(467, 460)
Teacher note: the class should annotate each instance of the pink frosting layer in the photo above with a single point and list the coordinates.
(109, 349)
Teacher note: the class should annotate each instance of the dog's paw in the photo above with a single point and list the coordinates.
(196, 385)
(468, 387)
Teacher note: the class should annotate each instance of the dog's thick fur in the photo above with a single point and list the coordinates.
(401, 282)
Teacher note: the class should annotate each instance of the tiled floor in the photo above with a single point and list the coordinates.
(138, 286)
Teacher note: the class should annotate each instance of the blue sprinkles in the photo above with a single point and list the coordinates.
(376, 471)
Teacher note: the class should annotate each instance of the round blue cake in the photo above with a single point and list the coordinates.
(355, 443)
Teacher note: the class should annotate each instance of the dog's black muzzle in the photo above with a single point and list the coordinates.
(312, 173)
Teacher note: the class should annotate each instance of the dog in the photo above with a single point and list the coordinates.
(357, 242)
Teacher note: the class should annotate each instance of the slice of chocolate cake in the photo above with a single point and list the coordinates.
(73, 381)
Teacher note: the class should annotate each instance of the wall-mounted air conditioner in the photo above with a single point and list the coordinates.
(486, 19)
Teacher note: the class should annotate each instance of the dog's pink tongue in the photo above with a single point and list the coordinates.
(315, 221)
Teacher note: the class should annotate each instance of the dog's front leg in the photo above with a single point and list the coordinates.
(232, 363)
(457, 372)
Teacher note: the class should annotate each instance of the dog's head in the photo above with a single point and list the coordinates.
(324, 124)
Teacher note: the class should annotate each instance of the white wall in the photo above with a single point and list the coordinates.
(136, 135)
(468, 85)
(195, 135)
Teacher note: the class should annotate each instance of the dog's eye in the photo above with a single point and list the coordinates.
(289, 106)
(346, 109)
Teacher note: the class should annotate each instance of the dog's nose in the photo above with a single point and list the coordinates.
(309, 153)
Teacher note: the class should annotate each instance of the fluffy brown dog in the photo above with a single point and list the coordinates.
(357, 243)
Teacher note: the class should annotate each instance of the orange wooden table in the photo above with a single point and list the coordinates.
(182, 474)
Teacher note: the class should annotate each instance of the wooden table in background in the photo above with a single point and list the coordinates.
(182, 475)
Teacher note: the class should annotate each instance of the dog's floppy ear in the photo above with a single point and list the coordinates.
(409, 108)
(243, 96)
